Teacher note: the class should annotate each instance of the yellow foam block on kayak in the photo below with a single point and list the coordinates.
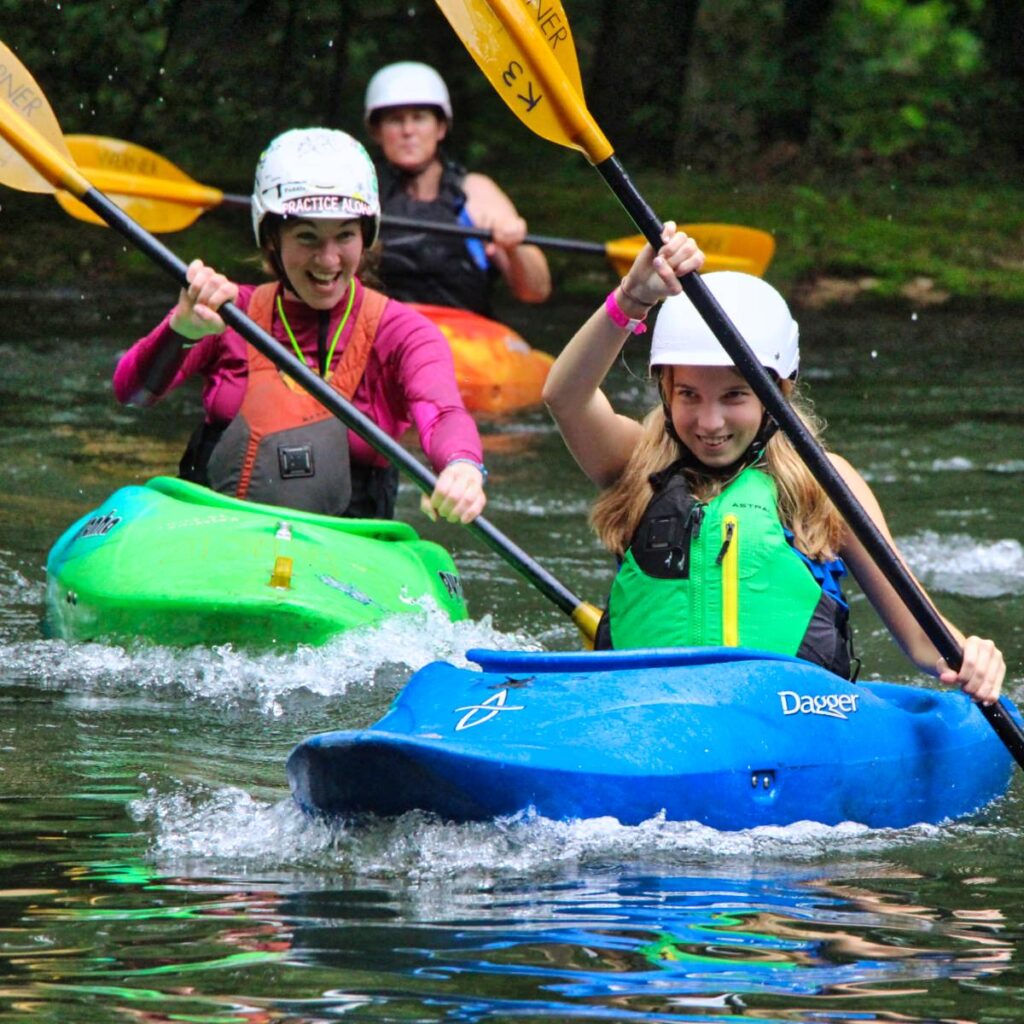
(281, 577)
(496, 370)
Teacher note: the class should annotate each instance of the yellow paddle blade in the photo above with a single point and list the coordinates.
(149, 188)
(129, 169)
(727, 247)
(25, 115)
(734, 241)
(151, 214)
(554, 26)
(520, 45)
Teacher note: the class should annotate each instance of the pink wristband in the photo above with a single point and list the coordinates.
(634, 325)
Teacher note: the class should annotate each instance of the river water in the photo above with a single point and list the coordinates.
(152, 867)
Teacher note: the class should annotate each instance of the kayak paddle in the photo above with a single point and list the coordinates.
(162, 197)
(530, 59)
(726, 246)
(35, 158)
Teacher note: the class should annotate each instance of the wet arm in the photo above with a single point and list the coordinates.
(600, 439)
(425, 375)
(983, 669)
(524, 267)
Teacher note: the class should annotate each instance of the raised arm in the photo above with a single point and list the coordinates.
(600, 439)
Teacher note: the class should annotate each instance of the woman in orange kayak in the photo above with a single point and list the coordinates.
(315, 212)
(409, 114)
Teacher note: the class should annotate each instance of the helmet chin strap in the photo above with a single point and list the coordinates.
(278, 267)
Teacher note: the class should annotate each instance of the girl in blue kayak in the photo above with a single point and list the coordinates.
(723, 535)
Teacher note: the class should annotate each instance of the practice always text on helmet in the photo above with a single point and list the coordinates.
(409, 83)
(682, 337)
(316, 173)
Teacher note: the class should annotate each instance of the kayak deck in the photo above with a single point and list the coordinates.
(175, 563)
(726, 737)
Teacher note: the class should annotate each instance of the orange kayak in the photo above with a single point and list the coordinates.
(497, 371)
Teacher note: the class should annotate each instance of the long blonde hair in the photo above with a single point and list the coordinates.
(803, 505)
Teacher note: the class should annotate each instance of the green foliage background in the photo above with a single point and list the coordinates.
(874, 137)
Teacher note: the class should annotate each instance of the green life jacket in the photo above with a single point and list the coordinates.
(724, 574)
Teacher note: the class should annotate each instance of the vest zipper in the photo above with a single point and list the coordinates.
(728, 529)
(728, 559)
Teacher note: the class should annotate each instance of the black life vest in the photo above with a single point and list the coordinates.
(425, 266)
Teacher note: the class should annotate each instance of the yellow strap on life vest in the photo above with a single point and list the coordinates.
(730, 581)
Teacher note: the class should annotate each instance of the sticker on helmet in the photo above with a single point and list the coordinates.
(343, 206)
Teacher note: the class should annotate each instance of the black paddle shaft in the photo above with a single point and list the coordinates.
(383, 443)
(862, 525)
(485, 234)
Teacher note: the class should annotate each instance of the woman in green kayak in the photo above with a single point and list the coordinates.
(723, 535)
(409, 115)
(315, 212)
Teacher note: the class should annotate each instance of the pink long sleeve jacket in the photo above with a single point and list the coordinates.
(409, 379)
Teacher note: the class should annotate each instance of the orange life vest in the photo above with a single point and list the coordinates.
(283, 447)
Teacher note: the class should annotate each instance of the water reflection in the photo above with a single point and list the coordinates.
(648, 946)
(844, 943)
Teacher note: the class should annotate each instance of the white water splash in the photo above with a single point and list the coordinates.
(14, 584)
(962, 464)
(957, 464)
(959, 564)
(548, 508)
(1008, 466)
(20, 597)
(225, 675)
(209, 827)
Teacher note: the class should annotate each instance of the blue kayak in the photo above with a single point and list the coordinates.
(728, 737)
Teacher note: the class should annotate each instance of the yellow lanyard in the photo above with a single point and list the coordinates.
(337, 333)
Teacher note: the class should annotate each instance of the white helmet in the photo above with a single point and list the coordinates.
(407, 84)
(316, 173)
(682, 338)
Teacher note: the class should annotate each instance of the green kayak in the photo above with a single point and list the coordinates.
(176, 563)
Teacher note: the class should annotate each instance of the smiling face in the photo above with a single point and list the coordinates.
(714, 411)
(409, 136)
(320, 258)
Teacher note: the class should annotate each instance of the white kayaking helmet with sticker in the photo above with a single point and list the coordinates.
(408, 83)
(682, 338)
(316, 173)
